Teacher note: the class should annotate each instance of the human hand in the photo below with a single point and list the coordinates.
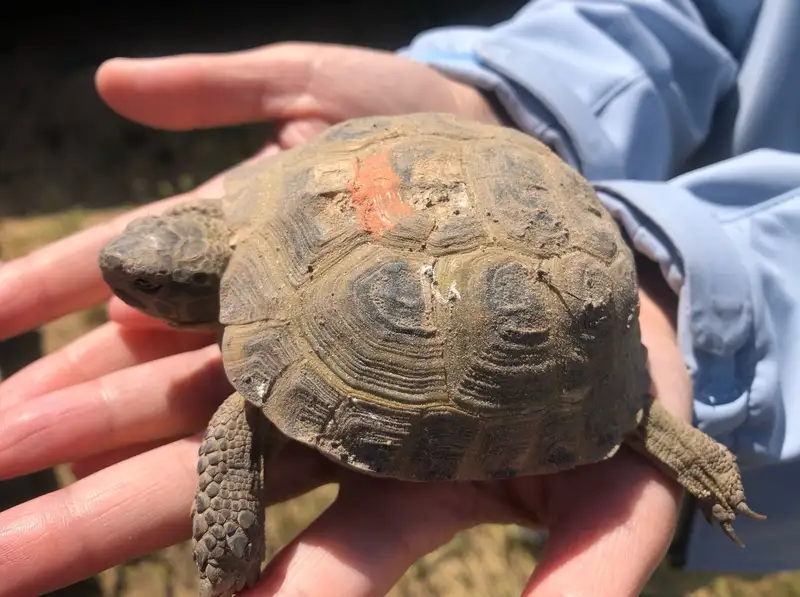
(610, 523)
(125, 400)
(302, 87)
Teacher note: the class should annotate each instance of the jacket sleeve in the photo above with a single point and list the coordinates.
(625, 91)
(727, 238)
(619, 88)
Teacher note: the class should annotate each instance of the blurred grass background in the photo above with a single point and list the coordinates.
(67, 162)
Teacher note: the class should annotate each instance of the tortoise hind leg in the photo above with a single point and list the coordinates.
(704, 467)
(228, 511)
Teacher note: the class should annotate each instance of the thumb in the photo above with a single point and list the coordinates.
(284, 82)
(296, 132)
(208, 90)
(607, 542)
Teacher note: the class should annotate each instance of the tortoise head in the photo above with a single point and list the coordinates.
(170, 267)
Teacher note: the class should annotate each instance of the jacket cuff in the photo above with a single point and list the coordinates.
(465, 55)
(539, 105)
(716, 334)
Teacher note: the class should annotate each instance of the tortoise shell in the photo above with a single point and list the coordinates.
(427, 298)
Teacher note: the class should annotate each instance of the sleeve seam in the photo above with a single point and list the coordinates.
(761, 207)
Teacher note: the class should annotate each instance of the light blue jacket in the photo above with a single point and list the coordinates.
(686, 116)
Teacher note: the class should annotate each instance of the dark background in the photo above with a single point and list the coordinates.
(60, 147)
(76, 33)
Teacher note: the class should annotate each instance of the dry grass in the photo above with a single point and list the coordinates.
(485, 561)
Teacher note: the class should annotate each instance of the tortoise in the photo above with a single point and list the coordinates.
(418, 297)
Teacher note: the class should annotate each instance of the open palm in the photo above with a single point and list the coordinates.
(126, 402)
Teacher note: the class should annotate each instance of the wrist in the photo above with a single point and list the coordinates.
(658, 321)
(474, 104)
(658, 299)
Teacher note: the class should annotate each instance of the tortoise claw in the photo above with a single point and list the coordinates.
(743, 508)
(727, 528)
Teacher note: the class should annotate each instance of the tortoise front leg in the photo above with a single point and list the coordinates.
(228, 511)
(704, 467)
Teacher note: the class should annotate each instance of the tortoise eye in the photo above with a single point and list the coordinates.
(146, 286)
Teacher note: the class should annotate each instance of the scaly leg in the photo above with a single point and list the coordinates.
(704, 467)
(228, 511)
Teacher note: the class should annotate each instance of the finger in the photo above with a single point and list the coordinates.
(122, 512)
(108, 348)
(369, 537)
(92, 464)
(610, 526)
(131, 318)
(297, 132)
(200, 91)
(283, 82)
(172, 396)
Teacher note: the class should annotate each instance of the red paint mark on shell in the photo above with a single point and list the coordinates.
(375, 194)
